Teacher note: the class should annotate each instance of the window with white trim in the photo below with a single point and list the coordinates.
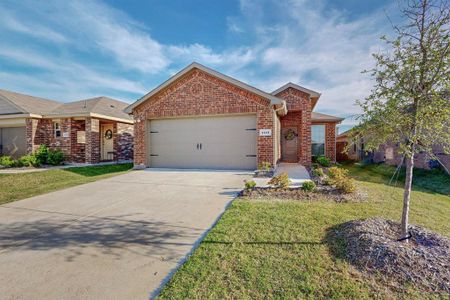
(57, 129)
(317, 140)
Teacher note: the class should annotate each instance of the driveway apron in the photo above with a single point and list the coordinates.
(117, 238)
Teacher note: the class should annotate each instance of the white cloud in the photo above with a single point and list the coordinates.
(321, 49)
(308, 44)
(13, 22)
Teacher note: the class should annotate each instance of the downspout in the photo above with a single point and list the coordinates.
(282, 107)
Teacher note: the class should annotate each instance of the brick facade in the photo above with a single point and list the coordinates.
(299, 115)
(41, 132)
(330, 139)
(197, 93)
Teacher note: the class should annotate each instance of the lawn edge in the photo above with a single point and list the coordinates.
(185, 258)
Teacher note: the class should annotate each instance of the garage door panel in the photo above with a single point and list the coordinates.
(227, 142)
(13, 141)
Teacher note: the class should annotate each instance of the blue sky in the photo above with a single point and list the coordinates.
(70, 50)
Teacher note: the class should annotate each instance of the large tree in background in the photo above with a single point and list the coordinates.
(410, 102)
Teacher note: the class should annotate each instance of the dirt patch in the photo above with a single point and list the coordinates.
(321, 193)
(372, 246)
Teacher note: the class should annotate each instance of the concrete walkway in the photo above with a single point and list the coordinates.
(117, 238)
(297, 174)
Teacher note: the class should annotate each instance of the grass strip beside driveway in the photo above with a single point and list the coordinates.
(15, 187)
(273, 249)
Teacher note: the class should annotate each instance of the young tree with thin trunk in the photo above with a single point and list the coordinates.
(410, 103)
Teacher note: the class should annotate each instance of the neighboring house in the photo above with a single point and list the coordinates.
(388, 153)
(200, 118)
(87, 131)
(355, 152)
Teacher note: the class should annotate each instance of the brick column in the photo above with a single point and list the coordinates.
(305, 140)
(31, 128)
(92, 141)
(330, 141)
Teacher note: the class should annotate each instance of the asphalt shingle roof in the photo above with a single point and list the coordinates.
(16, 103)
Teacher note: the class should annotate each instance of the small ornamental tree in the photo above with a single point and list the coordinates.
(410, 102)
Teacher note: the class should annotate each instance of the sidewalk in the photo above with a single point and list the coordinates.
(297, 174)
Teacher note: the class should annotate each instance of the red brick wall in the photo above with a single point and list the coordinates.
(78, 150)
(92, 141)
(299, 114)
(40, 131)
(198, 93)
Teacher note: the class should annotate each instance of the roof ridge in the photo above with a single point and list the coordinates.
(21, 109)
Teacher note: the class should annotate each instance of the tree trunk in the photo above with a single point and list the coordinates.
(407, 196)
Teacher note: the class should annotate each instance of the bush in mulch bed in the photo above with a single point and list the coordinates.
(320, 193)
(372, 246)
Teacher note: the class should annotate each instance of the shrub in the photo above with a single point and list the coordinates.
(7, 161)
(29, 161)
(265, 166)
(55, 157)
(250, 184)
(335, 172)
(281, 180)
(346, 185)
(338, 177)
(41, 154)
(323, 161)
(308, 186)
(318, 172)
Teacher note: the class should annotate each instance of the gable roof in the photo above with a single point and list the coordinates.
(297, 87)
(273, 99)
(318, 117)
(103, 106)
(20, 105)
(313, 95)
(16, 103)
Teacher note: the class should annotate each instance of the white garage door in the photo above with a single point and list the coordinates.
(227, 142)
(13, 141)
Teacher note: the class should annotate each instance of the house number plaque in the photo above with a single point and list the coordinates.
(265, 132)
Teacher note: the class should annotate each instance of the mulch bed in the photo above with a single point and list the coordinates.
(423, 262)
(321, 193)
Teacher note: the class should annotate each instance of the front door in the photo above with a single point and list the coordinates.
(289, 144)
(107, 142)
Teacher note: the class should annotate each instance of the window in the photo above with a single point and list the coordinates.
(57, 129)
(318, 140)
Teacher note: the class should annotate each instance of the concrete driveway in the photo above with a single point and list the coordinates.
(117, 238)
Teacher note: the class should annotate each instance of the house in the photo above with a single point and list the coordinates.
(388, 153)
(200, 118)
(87, 131)
(356, 150)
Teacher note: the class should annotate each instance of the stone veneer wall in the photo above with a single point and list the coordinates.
(299, 114)
(200, 94)
(123, 141)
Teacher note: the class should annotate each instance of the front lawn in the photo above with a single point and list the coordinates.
(20, 186)
(281, 249)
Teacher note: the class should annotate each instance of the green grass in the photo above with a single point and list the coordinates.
(432, 180)
(20, 186)
(279, 249)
